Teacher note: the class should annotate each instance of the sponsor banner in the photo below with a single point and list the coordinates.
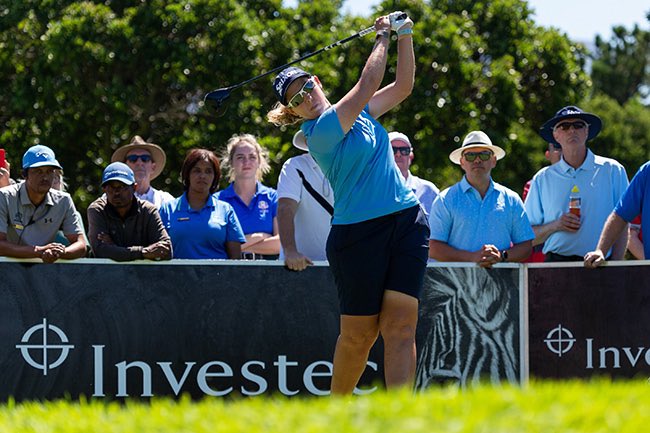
(108, 330)
(585, 322)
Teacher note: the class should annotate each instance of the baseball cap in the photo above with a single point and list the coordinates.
(284, 79)
(40, 156)
(120, 172)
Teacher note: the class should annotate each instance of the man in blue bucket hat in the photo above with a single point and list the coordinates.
(32, 212)
(595, 182)
(123, 227)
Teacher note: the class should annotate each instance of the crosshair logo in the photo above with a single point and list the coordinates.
(559, 340)
(62, 350)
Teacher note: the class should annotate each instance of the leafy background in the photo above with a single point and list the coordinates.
(83, 77)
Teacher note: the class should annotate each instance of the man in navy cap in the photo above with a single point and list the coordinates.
(122, 227)
(32, 213)
(597, 182)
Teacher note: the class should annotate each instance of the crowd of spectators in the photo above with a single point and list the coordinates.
(476, 220)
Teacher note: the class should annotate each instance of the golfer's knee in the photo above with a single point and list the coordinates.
(359, 339)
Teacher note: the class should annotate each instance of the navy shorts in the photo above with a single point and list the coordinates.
(385, 253)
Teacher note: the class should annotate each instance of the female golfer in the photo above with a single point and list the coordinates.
(377, 247)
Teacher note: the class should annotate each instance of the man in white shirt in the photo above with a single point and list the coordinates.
(147, 160)
(425, 191)
(305, 205)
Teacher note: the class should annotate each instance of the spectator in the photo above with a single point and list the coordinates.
(478, 220)
(147, 160)
(255, 204)
(5, 175)
(552, 154)
(200, 225)
(633, 201)
(123, 227)
(424, 190)
(600, 181)
(305, 209)
(31, 213)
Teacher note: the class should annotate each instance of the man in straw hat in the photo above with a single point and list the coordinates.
(597, 182)
(305, 207)
(147, 160)
(478, 220)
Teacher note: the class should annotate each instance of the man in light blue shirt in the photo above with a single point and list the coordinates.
(478, 220)
(600, 182)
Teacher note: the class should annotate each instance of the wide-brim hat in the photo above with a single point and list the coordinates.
(299, 141)
(157, 154)
(570, 112)
(474, 140)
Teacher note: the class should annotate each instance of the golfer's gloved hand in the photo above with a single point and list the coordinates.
(399, 20)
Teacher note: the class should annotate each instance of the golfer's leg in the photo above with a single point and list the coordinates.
(397, 321)
(358, 334)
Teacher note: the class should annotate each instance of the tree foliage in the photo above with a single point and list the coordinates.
(621, 67)
(85, 76)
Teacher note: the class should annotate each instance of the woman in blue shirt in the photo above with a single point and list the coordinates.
(378, 245)
(255, 204)
(199, 225)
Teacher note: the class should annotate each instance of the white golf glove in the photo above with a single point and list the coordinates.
(399, 20)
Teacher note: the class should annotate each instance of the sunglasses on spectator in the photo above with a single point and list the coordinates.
(404, 151)
(557, 146)
(564, 126)
(300, 96)
(483, 156)
(134, 158)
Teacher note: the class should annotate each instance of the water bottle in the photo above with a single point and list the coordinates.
(574, 201)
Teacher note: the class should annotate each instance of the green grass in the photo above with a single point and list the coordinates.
(598, 406)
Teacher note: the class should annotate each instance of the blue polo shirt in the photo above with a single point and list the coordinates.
(635, 201)
(601, 181)
(257, 216)
(465, 221)
(359, 165)
(200, 234)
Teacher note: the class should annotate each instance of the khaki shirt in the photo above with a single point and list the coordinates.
(26, 224)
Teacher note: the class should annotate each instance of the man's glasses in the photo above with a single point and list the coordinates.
(300, 96)
(134, 158)
(557, 146)
(483, 156)
(404, 151)
(564, 126)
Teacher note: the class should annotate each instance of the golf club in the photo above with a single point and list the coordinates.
(217, 97)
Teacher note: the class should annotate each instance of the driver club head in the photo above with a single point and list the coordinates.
(217, 98)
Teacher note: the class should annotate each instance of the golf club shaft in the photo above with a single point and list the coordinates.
(306, 56)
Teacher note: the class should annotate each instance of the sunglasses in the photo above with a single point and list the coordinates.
(134, 158)
(566, 125)
(483, 156)
(404, 151)
(299, 97)
(557, 146)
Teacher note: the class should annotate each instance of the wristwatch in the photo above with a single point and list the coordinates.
(504, 255)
